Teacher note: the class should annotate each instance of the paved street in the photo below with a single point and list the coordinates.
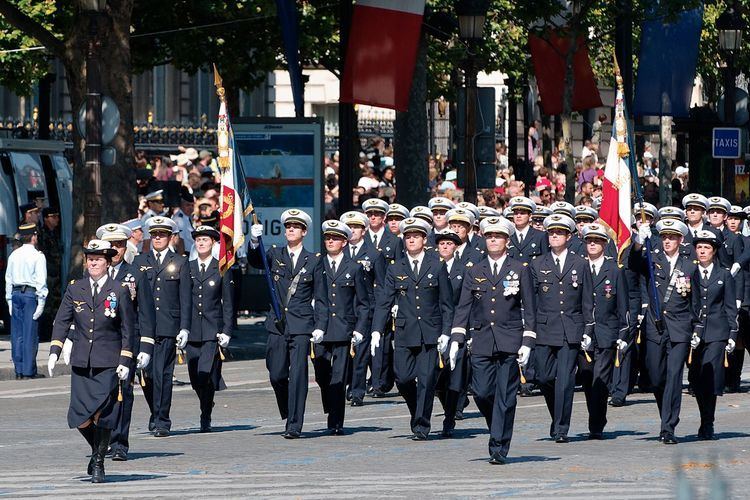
(246, 455)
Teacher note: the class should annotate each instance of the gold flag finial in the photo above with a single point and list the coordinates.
(218, 83)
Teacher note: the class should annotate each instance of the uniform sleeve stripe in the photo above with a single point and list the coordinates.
(147, 340)
(126, 354)
(57, 343)
(458, 329)
(530, 334)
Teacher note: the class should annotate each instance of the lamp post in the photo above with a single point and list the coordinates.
(92, 211)
(471, 17)
(729, 25)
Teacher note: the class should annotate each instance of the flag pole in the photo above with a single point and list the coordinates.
(629, 151)
(223, 145)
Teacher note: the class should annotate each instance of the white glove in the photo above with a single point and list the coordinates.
(317, 336)
(586, 343)
(442, 344)
(123, 372)
(730, 346)
(621, 345)
(143, 359)
(182, 338)
(394, 310)
(223, 339)
(357, 338)
(66, 350)
(523, 355)
(735, 268)
(10, 308)
(452, 354)
(38, 311)
(639, 319)
(738, 303)
(51, 362)
(375, 343)
(695, 341)
(256, 231)
(644, 233)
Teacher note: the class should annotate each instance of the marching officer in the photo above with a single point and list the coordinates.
(393, 217)
(452, 382)
(735, 220)
(381, 238)
(418, 283)
(298, 281)
(183, 218)
(611, 317)
(143, 342)
(361, 250)
(474, 239)
(564, 317)
(349, 295)
(497, 305)
(526, 243)
(461, 222)
(669, 337)
(26, 293)
(716, 330)
(169, 277)
(439, 207)
(537, 218)
(211, 322)
(100, 310)
(486, 212)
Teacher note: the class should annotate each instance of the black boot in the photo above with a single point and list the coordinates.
(102, 443)
(89, 434)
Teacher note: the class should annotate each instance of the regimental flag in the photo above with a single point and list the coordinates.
(382, 52)
(231, 211)
(616, 209)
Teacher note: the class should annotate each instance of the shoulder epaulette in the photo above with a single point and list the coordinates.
(317, 254)
(607, 257)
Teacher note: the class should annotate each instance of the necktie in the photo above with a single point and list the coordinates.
(494, 269)
(158, 257)
(520, 238)
(375, 240)
(557, 263)
(112, 272)
(333, 267)
(203, 268)
(593, 269)
(695, 233)
(354, 251)
(458, 256)
(95, 289)
(416, 268)
(291, 257)
(705, 275)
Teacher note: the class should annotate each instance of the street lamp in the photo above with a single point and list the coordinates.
(729, 25)
(471, 19)
(92, 211)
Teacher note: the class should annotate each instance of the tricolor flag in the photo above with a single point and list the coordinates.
(615, 211)
(382, 52)
(231, 212)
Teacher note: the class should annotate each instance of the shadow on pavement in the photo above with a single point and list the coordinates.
(122, 478)
(214, 429)
(521, 459)
(155, 454)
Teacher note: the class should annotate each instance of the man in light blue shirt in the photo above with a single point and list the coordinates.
(26, 292)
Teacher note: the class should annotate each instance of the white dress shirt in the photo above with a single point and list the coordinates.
(597, 264)
(26, 266)
(499, 262)
(296, 252)
(100, 282)
(379, 234)
(419, 258)
(561, 258)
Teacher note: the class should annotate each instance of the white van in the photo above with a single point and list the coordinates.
(30, 169)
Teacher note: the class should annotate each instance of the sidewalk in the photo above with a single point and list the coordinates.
(248, 342)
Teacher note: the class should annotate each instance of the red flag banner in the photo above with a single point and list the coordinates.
(382, 52)
(548, 56)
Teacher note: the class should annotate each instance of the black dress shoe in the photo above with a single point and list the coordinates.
(498, 459)
(669, 438)
(459, 415)
(596, 436)
(19, 376)
(525, 390)
(337, 431)
(120, 455)
(205, 428)
(552, 431)
(706, 433)
(419, 436)
(661, 436)
(151, 427)
(291, 435)
(349, 395)
(357, 402)
(616, 402)
(377, 393)
(36, 375)
(160, 433)
(447, 433)
(562, 438)
(110, 452)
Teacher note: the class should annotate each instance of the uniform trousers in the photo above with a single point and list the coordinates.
(121, 431)
(358, 369)
(737, 357)
(596, 377)
(708, 360)
(451, 386)
(416, 371)
(665, 362)
(331, 364)
(495, 381)
(158, 390)
(555, 374)
(286, 361)
(204, 370)
(383, 376)
(24, 333)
